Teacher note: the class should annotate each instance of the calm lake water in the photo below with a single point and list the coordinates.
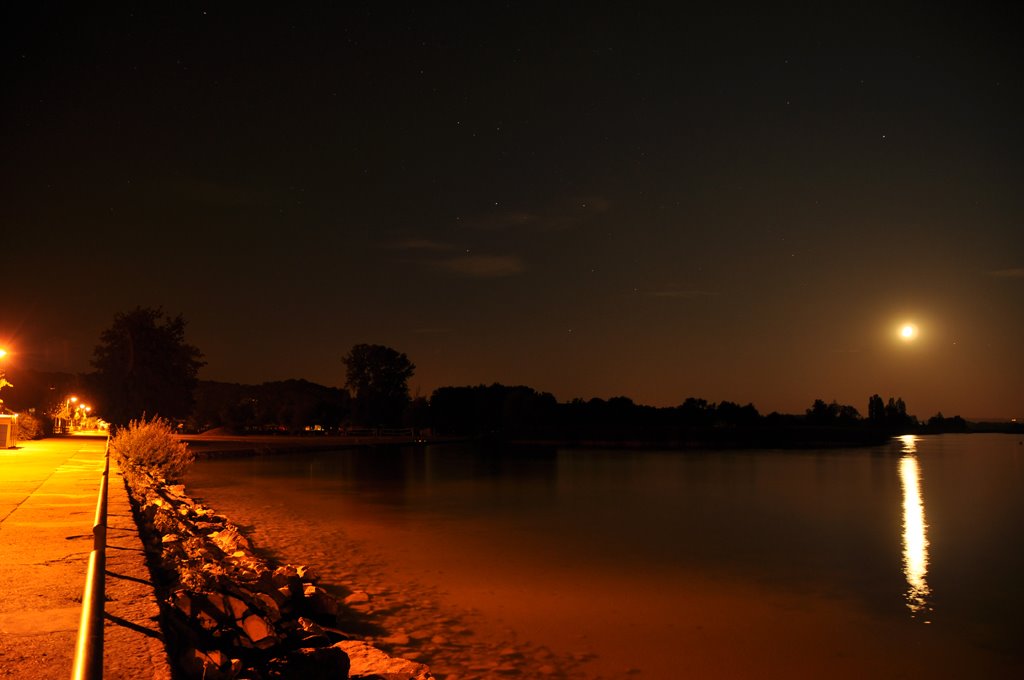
(903, 560)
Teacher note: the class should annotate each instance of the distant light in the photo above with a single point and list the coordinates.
(908, 331)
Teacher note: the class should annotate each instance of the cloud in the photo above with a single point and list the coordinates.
(482, 266)
(441, 256)
(1015, 273)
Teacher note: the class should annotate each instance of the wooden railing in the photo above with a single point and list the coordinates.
(89, 648)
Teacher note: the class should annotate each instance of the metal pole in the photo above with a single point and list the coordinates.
(89, 647)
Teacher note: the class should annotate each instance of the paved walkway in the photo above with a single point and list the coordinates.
(48, 493)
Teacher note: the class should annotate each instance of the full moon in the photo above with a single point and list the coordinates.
(908, 331)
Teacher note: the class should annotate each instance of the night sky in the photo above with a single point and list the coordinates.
(738, 205)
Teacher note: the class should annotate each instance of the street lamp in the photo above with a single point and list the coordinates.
(67, 414)
(3, 378)
(8, 439)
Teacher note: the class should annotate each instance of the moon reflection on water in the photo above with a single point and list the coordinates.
(915, 538)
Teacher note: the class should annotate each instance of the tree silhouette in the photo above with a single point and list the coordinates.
(891, 416)
(876, 410)
(694, 411)
(731, 414)
(939, 423)
(896, 412)
(831, 414)
(378, 377)
(493, 410)
(144, 366)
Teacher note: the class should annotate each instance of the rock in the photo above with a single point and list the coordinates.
(287, 581)
(319, 601)
(259, 631)
(358, 597)
(309, 625)
(219, 606)
(181, 601)
(306, 574)
(176, 490)
(229, 540)
(236, 607)
(210, 665)
(324, 663)
(310, 634)
(367, 662)
(268, 605)
(229, 597)
(284, 575)
(206, 620)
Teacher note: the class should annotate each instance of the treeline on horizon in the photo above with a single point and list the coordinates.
(522, 413)
(515, 413)
(144, 367)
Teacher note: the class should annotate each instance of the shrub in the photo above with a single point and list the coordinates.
(30, 426)
(152, 447)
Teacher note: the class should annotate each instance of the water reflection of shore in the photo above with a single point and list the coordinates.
(915, 538)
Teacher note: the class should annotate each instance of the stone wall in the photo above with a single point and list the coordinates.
(228, 613)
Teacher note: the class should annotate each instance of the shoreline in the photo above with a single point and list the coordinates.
(413, 615)
(205, 446)
(241, 445)
(226, 608)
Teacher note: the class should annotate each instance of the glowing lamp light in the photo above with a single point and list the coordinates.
(908, 332)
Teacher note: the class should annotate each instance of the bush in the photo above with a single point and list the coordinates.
(29, 426)
(152, 447)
